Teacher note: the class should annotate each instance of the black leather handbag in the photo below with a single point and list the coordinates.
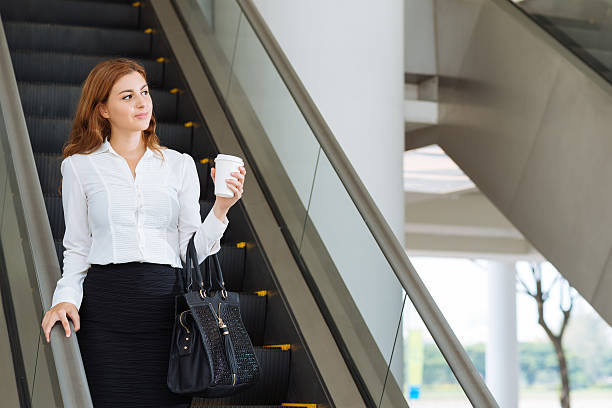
(211, 354)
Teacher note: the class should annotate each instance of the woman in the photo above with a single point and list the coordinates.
(130, 208)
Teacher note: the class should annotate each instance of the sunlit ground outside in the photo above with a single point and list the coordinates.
(451, 397)
(459, 287)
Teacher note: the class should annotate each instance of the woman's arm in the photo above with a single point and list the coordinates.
(77, 238)
(208, 235)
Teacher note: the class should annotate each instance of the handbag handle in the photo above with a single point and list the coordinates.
(193, 271)
(205, 286)
(218, 275)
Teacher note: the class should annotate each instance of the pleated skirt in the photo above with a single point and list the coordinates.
(127, 316)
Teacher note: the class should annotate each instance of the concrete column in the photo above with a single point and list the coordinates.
(502, 366)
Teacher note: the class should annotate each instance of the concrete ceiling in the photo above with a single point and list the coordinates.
(464, 225)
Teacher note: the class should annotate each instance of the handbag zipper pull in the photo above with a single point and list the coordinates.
(222, 326)
(228, 352)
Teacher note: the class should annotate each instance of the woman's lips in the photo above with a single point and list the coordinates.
(142, 115)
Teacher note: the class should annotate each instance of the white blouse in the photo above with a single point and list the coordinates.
(112, 217)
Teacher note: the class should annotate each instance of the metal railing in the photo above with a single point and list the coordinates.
(456, 357)
(36, 237)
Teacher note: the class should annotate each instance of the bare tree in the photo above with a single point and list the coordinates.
(541, 296)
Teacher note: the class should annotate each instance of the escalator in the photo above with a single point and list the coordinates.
(49, 69)
(315, 342)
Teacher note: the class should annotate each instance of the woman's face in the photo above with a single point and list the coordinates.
(129, 104)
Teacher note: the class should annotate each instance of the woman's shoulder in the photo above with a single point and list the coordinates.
(172, 154)
(174, 159)
(69, 159)
(181, 159)
(78, 161)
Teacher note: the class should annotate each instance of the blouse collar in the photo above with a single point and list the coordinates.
(106, 146)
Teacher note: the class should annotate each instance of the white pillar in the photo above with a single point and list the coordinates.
(502, 366)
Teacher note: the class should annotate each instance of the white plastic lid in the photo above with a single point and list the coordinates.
(230, 158)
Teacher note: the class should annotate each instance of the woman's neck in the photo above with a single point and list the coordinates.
(130, 146)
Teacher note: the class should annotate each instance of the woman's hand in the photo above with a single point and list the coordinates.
(224, 203)
(59, 312)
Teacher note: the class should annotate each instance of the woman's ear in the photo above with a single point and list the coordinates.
(103, 111)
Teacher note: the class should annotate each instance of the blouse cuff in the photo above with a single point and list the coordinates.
(67, 294)
(215, 226)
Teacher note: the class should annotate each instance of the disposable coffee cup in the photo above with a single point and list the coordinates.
(226, 164)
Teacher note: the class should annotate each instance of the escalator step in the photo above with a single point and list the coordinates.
(253, 313)
(55, 212)
(270, 389)
(95, 14)
(49, 100)
(65, 68)
(198, 404)
(206, 207)
(48, 135)
(207, 186)
(231, 235)
(60, 100)
(77, 39)
(233, 258)
(59, 250)
(110, 1)
(48, 169)
(174, 135)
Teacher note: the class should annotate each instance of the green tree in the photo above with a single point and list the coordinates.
(534, 360)
(476, 352)
(590, 355)
(435, 368)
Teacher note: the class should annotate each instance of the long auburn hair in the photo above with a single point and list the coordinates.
(89, 128)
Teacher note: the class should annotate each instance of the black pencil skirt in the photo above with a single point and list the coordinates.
(127, 315)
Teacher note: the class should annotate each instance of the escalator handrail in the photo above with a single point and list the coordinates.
(450, 347)
(587, 67)
(36, 231)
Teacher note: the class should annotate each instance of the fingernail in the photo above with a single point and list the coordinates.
(67, 334)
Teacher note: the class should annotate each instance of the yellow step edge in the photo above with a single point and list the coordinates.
(162, 59)
(204, 160)
(283, 347)
(240, 244)
(261, 292)
(149, 31)
(296, 404)
(136, 4)
(175, 90)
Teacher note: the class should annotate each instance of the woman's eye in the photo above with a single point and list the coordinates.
(145, 92)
